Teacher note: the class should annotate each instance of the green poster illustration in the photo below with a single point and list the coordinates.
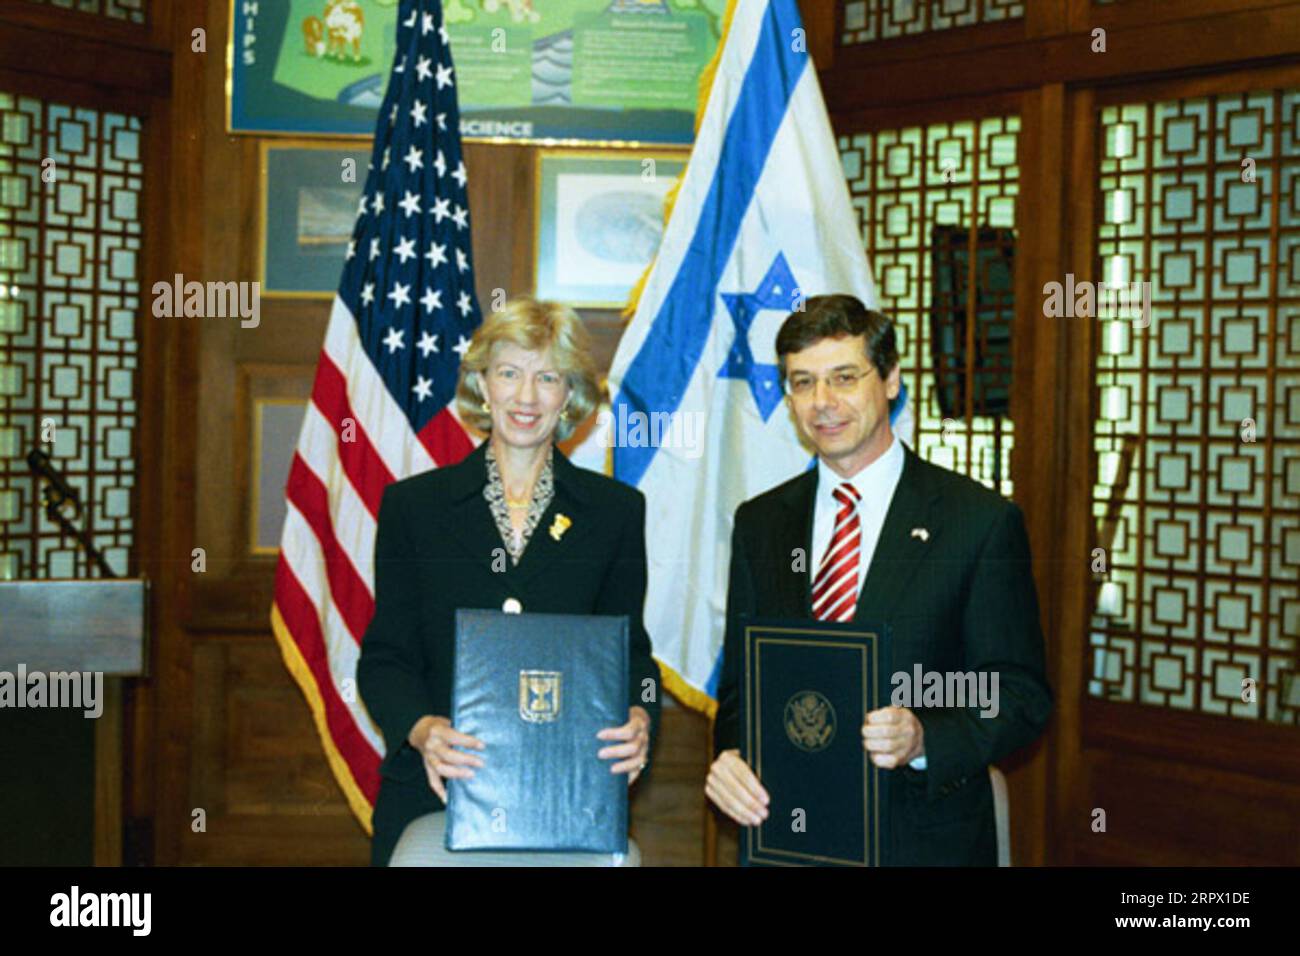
(591, 70)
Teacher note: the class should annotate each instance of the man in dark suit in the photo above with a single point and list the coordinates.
(888, 539)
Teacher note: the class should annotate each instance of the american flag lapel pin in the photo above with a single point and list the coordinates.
(921, 533)
(559, 526)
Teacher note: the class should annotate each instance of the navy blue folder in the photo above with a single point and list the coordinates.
(535, 688)
(805, 688)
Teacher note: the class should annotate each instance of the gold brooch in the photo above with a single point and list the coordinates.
(559, 526)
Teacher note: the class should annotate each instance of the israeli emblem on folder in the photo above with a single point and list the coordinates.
(809, 721)
(539, 696)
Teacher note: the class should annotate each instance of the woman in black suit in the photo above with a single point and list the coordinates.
(514, 526)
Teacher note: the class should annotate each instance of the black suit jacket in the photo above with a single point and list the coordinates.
(963, 600)
(434, 553)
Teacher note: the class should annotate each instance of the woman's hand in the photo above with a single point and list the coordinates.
(437, 740)
(635, 751)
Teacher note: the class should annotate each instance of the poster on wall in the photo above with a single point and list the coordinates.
(578, 71)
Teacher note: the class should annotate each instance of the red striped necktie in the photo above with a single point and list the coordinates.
(835, 589)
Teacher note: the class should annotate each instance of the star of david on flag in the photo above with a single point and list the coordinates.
(762, 220)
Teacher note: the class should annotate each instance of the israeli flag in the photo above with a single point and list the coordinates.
(762, 221)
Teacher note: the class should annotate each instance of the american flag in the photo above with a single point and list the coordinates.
(379, 409)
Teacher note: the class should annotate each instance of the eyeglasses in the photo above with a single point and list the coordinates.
(842, 381)
(509, 375)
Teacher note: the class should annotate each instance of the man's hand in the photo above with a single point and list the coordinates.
(893, 736)
(735, 790)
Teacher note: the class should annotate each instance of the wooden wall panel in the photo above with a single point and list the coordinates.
(258, 770)
(162, 738)
(1040, 203)
(998, 57)
(1166, 813)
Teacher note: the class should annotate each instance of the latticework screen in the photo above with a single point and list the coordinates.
(70, 189)
(132, 11)
(904, 183)
(867, 20)
(1197, 434)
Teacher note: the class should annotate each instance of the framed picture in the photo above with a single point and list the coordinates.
(574, 71)
(306, 210)
(276, 425)
(600, 217)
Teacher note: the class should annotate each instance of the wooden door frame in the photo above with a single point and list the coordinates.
(1249, 747)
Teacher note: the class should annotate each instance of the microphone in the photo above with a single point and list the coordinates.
(58, 492)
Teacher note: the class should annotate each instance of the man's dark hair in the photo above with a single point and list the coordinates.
(834, 316)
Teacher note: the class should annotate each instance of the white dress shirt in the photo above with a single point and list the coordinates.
(875, 484)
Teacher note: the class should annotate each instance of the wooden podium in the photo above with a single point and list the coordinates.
(73, 626)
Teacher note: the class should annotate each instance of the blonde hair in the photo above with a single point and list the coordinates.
(535, 326)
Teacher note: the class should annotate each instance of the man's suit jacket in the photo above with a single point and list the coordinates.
(961, 600)
(434, 553)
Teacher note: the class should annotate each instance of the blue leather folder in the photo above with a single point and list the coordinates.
(535, 688)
